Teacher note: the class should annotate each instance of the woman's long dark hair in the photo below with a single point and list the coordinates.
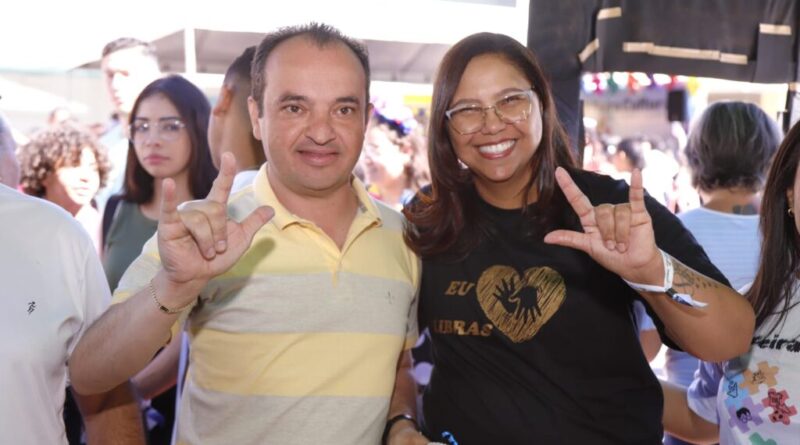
(771, 292)
(448, 218)
(194, 111)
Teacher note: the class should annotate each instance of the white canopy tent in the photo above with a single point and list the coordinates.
(407, 37)
(54, 46)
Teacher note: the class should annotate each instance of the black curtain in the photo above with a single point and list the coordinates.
(746, 40)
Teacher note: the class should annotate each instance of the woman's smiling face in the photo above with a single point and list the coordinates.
(499, 154)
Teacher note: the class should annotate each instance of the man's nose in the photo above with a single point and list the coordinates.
(320, 129)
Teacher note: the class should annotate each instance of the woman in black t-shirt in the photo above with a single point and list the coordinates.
(524, 258)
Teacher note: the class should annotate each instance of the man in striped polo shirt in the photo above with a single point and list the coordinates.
(301, 302)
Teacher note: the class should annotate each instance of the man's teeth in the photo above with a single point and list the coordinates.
(496, 148)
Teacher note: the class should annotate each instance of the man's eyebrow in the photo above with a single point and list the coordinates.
(349, 100)
(291, 97)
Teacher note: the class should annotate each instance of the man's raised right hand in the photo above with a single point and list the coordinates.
(199, 241)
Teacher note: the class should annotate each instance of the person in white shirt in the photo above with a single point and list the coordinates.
(53, 287)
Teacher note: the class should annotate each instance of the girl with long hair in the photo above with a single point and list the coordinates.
(168, 139)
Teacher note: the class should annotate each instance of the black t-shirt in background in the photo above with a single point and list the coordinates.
(536, 344)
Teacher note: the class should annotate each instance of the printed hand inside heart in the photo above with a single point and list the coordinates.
(520, 306)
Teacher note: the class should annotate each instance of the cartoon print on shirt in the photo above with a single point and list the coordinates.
(747, 413)
(757, 402)
(781, 411)
(756, 439)
(764, 375)
(736, 396)
(520, 306)
(31, 307)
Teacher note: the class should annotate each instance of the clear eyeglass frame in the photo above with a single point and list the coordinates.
(452, 114)
(166, 129)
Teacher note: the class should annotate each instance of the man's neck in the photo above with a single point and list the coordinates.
(332, 211)
(237, 140)
(241, 149)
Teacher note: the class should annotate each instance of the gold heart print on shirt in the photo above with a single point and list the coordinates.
(519, 307)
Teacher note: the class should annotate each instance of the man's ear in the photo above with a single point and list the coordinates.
(255, 122)
(224, 102)
(368, 113)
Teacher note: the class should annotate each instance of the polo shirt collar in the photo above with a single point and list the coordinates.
(283, 218)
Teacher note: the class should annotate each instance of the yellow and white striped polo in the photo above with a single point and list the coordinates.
(297, 343)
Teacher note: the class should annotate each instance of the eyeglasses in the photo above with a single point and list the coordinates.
(167, 129)
(512, 108)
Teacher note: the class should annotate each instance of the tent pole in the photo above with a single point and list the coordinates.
(189, 51)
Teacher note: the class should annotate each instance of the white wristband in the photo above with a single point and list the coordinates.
(669, 271)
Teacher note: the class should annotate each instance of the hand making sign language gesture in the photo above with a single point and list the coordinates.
(618, 237)
(621, 238)
(199, 241)
(195, 244)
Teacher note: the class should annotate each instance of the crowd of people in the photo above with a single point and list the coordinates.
(301, 264)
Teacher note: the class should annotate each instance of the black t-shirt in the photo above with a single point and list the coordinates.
(536, 344)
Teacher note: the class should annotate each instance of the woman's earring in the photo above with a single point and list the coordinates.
(790, 212)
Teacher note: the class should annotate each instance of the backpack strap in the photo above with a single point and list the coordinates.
(110, 214)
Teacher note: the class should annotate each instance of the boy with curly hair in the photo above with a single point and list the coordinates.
(66, 166)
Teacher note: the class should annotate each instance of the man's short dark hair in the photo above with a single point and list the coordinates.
(121, 43)
(319, 33)
(732, 145)
(240, 69)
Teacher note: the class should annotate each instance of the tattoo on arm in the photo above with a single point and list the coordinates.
(689, 281)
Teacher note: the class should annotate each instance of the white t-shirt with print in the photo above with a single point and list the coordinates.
(52, 287)
(755, 399)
